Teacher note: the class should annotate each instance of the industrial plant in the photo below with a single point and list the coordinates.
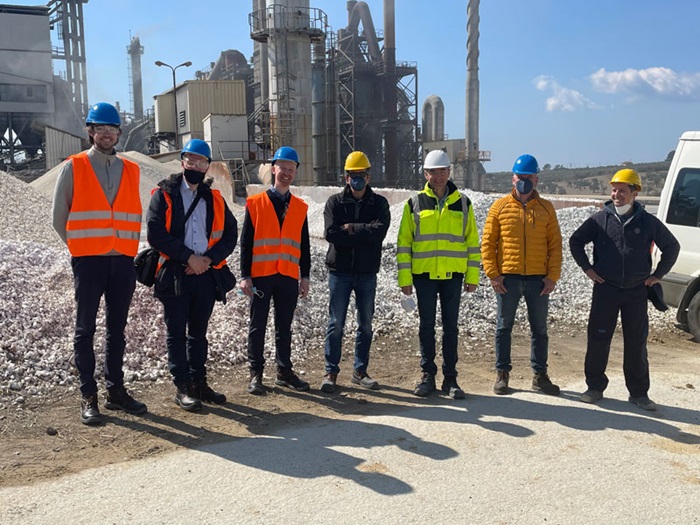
(324, 92)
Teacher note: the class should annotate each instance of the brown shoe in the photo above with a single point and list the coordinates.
(329, 383)
(500, 387)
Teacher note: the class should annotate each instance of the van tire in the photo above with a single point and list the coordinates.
(694, 317)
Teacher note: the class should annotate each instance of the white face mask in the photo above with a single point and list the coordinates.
(622, 210)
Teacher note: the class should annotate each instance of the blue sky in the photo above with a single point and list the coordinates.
(575, 83)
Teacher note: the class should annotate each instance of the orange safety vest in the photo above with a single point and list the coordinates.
(217, 227)
(93, 226)
(276, 250)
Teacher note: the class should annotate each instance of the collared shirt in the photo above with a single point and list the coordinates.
(196, 226)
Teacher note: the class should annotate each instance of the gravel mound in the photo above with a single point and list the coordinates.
(37, 310)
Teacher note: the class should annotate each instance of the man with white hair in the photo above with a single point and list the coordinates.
(438, 253)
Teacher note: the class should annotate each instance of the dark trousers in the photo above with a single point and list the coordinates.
(284, 291)
(609, 301)
(186, 319)
(115, 278)
(450, 293)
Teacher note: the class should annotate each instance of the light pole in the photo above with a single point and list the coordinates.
(184, 64)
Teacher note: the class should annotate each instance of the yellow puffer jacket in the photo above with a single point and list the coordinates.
(521, 239)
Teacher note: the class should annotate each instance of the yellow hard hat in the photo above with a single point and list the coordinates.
(627, 176)
(357, 161)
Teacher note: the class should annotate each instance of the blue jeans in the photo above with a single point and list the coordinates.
(450, 292)
(517, 286)
(341, 285)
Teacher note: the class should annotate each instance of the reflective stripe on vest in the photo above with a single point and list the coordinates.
(217, 227)
(275, 249)
(93, 226)
(452, 257)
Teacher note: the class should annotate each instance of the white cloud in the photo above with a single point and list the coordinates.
(654, 81)
(563, 98)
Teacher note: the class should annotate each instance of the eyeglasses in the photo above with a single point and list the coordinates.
(195, 162)
(103, 129)
(438, 171)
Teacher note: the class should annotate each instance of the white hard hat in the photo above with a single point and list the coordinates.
(436, 159)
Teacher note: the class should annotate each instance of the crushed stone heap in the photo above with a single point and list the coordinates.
(37, 308)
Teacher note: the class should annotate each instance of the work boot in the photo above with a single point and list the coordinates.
(591, 396)
(542, 383)
(426, 385)
(207, 394)
(363, 379)
(89, 411)
(119, 399)
(255, 386)
(186, 397)
(643, 402)
(291, 380)
(328, 383)
(500, 387)
(451, 388)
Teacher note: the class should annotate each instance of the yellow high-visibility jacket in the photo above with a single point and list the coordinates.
(438, 242)
(522, 239)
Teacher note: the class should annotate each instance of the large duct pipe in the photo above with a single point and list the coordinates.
(359, 11)
(318, 114)
(433, 119)
(474, 168)
(390, 98)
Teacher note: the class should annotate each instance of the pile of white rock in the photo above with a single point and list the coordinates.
(37, 307)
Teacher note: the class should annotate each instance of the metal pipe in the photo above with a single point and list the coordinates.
(391, 165)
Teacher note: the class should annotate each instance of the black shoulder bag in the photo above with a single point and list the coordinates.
(146, 261)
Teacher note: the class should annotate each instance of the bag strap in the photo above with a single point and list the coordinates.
(192, 207)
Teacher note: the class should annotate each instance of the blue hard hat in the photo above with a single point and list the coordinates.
(285, 153)
(103, 113)
(526, 165)
(198, 147)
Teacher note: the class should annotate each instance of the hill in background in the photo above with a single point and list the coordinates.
(559, 180)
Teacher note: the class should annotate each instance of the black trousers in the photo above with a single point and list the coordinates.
(284, 291)
(114, 277)
(609, 301)
(186, 320)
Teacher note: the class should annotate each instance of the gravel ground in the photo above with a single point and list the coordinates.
(37, 310)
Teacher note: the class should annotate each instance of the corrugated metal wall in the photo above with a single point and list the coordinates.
(59, 146)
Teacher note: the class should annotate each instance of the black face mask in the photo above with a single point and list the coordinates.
(193, 176)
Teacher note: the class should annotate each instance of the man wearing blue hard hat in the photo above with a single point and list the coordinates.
(521, 254)
(191, 226)
(97, 213)
(275, 266)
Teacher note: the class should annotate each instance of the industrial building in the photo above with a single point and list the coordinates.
(323, 92)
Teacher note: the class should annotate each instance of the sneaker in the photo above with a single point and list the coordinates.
(89, 411)
(291, 380)
(363, 379)
(207, 394)
(118, 398)
(643, 402)
(426, 385)
(255, 386)
(328, 383)
(186, 398)
(451, 388)
(542, 383)
(591, 396)
(500, 387)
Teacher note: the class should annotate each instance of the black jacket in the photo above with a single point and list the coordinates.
(357, 249)
(622, 247)
(172, 243)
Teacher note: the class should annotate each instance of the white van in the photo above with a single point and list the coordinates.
(679, 209)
